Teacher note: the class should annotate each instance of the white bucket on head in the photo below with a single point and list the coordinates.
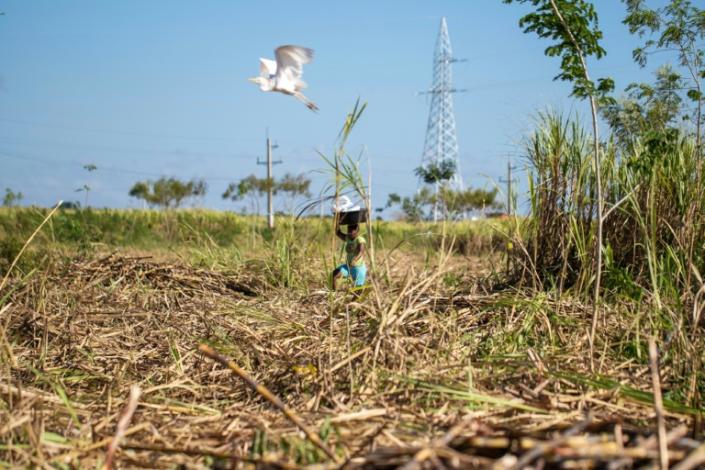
(344, 205)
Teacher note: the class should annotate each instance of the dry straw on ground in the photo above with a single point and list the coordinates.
(410, 375)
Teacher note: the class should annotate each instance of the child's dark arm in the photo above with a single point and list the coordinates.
(339, 233)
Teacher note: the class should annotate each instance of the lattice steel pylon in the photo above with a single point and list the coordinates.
(441, 143)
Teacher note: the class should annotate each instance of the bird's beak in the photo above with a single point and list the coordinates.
(252, 79)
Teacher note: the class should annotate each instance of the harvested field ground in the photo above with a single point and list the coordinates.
(429, 368)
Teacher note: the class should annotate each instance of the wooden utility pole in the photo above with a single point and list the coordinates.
(270, 181)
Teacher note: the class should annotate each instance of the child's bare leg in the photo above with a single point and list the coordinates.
(336, 275)
(356, 291)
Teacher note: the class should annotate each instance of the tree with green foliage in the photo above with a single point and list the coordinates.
(434, 173)
(168, 193)
(11, 197)
(647, 108)
(412, 207)
(679, 26)
(86, 188)
(249, 186)
(437, 174)
(392, 199)
(459, 203)
(292, 185)
(455, 203)
(573, 26)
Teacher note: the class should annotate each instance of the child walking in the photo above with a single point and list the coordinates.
(354, 257)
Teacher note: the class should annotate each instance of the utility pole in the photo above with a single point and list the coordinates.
(509, 182)
(270, 180)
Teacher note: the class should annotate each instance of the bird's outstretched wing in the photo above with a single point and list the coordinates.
(290, 60)
(267, 67)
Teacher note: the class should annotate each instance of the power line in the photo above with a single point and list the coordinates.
(113, 169)
(108, 131)
(124, 150)
(101, 168)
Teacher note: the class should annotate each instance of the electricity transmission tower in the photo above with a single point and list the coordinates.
(441, 142)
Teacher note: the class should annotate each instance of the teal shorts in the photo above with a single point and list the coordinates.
(358, 273)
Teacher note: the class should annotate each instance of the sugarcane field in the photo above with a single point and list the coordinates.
(199, 274)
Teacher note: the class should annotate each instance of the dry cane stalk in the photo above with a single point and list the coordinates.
(68, 456)
(269, 396)
(122, 424)
(429, 452)
(197, 451)
(546, 447)
(658, 405)
(693, 460)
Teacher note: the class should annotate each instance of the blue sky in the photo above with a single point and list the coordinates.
(143, 89)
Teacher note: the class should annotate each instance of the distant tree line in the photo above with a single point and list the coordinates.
(443, 201)
(168, 193)
(454, 204)
(171, 193)
(11, 197)
(292, 186)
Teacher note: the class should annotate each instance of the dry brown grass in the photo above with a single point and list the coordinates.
(431, 369)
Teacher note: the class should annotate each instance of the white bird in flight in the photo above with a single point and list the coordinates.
(284, 74)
